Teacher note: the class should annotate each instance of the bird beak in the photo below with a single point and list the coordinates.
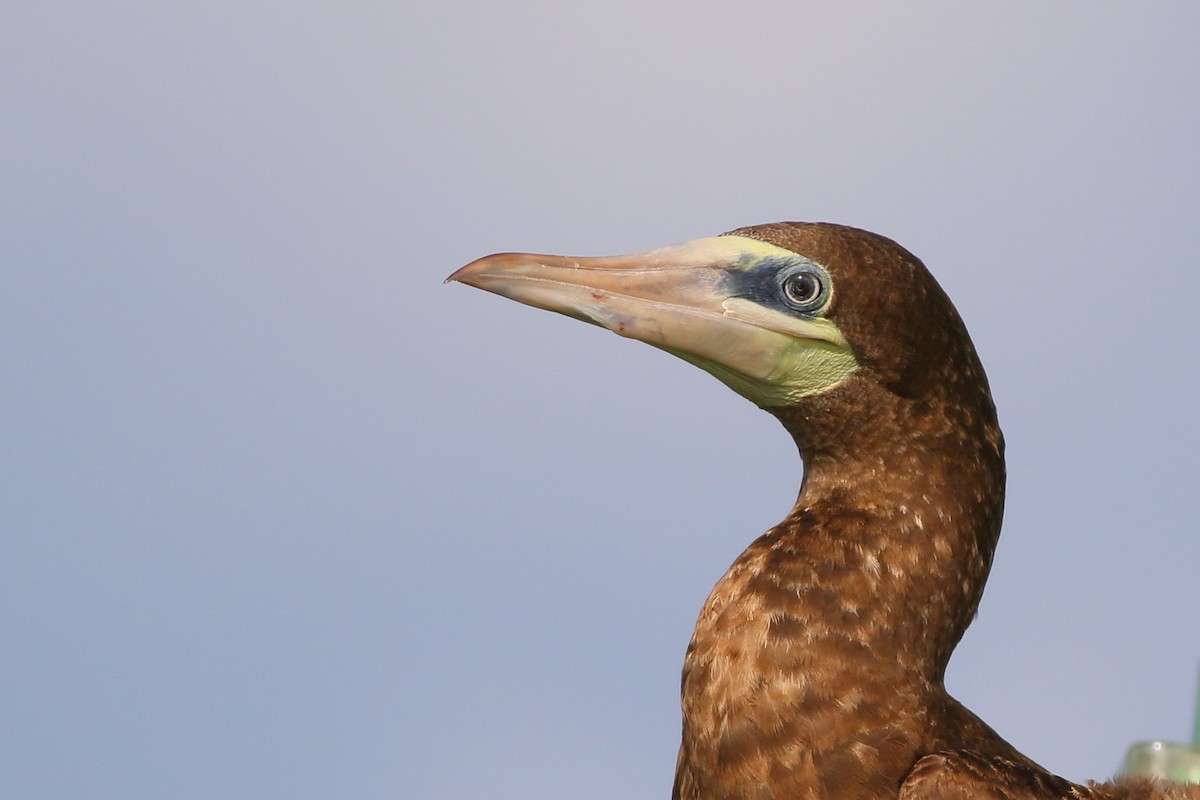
(677, 298)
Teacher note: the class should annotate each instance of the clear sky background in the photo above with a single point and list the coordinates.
(285, 517)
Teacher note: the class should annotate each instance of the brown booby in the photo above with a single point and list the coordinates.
(817, 662)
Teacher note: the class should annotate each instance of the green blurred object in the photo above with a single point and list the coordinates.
(1173, 760)
(1196, 721)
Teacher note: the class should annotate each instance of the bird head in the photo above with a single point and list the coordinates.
(778, 312)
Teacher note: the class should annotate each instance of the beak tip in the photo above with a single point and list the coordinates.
(462, 274)
(472, 273)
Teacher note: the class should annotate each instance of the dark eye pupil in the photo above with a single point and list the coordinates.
(802, 288)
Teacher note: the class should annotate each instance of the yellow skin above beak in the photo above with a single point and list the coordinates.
(697, 300)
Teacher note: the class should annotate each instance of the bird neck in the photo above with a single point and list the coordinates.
(900, 506)
(841, 619)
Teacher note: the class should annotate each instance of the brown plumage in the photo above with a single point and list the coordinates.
(816, 666)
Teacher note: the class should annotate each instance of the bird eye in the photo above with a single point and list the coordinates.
(805, 289)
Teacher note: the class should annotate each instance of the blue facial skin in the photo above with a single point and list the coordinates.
(763, 284)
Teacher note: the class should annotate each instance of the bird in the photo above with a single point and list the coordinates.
(816, 666)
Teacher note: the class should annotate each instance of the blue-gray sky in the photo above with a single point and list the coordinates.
(283, 516)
